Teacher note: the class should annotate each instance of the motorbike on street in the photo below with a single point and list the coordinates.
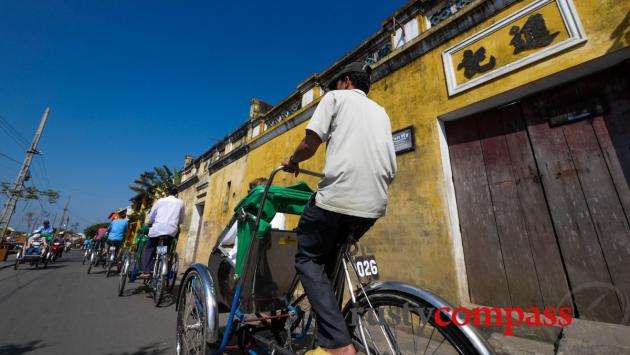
(54, 251)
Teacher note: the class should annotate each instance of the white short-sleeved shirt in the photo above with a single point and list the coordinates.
(360, 157)
(166, 216)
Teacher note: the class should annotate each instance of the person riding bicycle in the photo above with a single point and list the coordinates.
(164, 219)
(98, 238)
(36, 244)
(141, 240)
(116, 231)
(352, 195)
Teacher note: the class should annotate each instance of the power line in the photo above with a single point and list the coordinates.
(11, 159)
(44, 170)
(17, 133)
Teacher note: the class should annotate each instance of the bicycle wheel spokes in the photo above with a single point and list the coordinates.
(404, 328)
(193, 318)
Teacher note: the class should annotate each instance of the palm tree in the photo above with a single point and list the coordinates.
(151, 182)
(144, 187)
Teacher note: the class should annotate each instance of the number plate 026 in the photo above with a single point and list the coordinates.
(366, 267)
(162, 250)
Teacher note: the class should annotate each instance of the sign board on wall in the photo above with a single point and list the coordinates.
(536, 31)
(403, 140)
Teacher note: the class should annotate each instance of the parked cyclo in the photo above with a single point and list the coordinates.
(268, 311)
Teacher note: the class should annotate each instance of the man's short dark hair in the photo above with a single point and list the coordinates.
(172, 190)
(360, 80)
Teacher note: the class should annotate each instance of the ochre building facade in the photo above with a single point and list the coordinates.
(512, 121)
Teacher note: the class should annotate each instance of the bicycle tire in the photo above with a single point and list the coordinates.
(158, 287)
(192, 304)
(91, 263)
(173, 269)
(110, 264)
(451, 333)
(123, 276)
(17, 261)
(85, 257)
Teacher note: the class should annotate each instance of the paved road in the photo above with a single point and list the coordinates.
(63, 310)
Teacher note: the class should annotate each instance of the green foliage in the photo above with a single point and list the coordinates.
(90, 231)
(136, 216)
(151, 182)
(29, 193)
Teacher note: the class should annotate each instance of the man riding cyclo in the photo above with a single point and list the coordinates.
(36, 244)
(47, 231)
(116, 231)
(352, 195)
(164, 219)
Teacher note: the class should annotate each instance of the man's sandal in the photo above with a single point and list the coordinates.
(317, 351)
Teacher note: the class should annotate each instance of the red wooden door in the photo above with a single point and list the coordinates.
(545, 209)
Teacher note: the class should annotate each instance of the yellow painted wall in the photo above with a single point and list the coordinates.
(414, 242)
(417, 242)
(185, 257)
(214, 218)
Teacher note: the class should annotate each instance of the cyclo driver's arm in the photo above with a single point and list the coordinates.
(306, 149)
(317, 131)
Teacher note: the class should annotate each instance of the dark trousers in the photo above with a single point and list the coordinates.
(320, 235)
(149, 252)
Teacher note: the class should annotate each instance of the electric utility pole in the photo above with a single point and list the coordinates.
(9, 206)
(63, 214)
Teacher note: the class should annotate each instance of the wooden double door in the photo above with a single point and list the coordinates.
(544, 209)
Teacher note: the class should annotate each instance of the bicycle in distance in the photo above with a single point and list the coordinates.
(268, 311)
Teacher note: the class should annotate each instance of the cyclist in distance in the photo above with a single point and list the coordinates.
(164, 219)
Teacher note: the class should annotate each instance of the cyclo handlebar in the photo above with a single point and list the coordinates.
(270, 181)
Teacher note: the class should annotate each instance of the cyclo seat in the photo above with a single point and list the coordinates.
(265, 257)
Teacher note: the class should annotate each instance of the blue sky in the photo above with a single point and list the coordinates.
(136, 84)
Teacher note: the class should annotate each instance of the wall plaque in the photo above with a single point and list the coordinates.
(403, 140)
(530, 34)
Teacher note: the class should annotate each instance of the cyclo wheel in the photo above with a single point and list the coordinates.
(172, 274)
(110, 263)
(399, 316)
(123, 274)
(192, 318)
(92, 262)
(17, 261)
(159, 282)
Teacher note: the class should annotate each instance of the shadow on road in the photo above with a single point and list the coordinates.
(16, 349)
(170, 298)
(151, 349)
(16, 289)
(140, 289)
(56, 266)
